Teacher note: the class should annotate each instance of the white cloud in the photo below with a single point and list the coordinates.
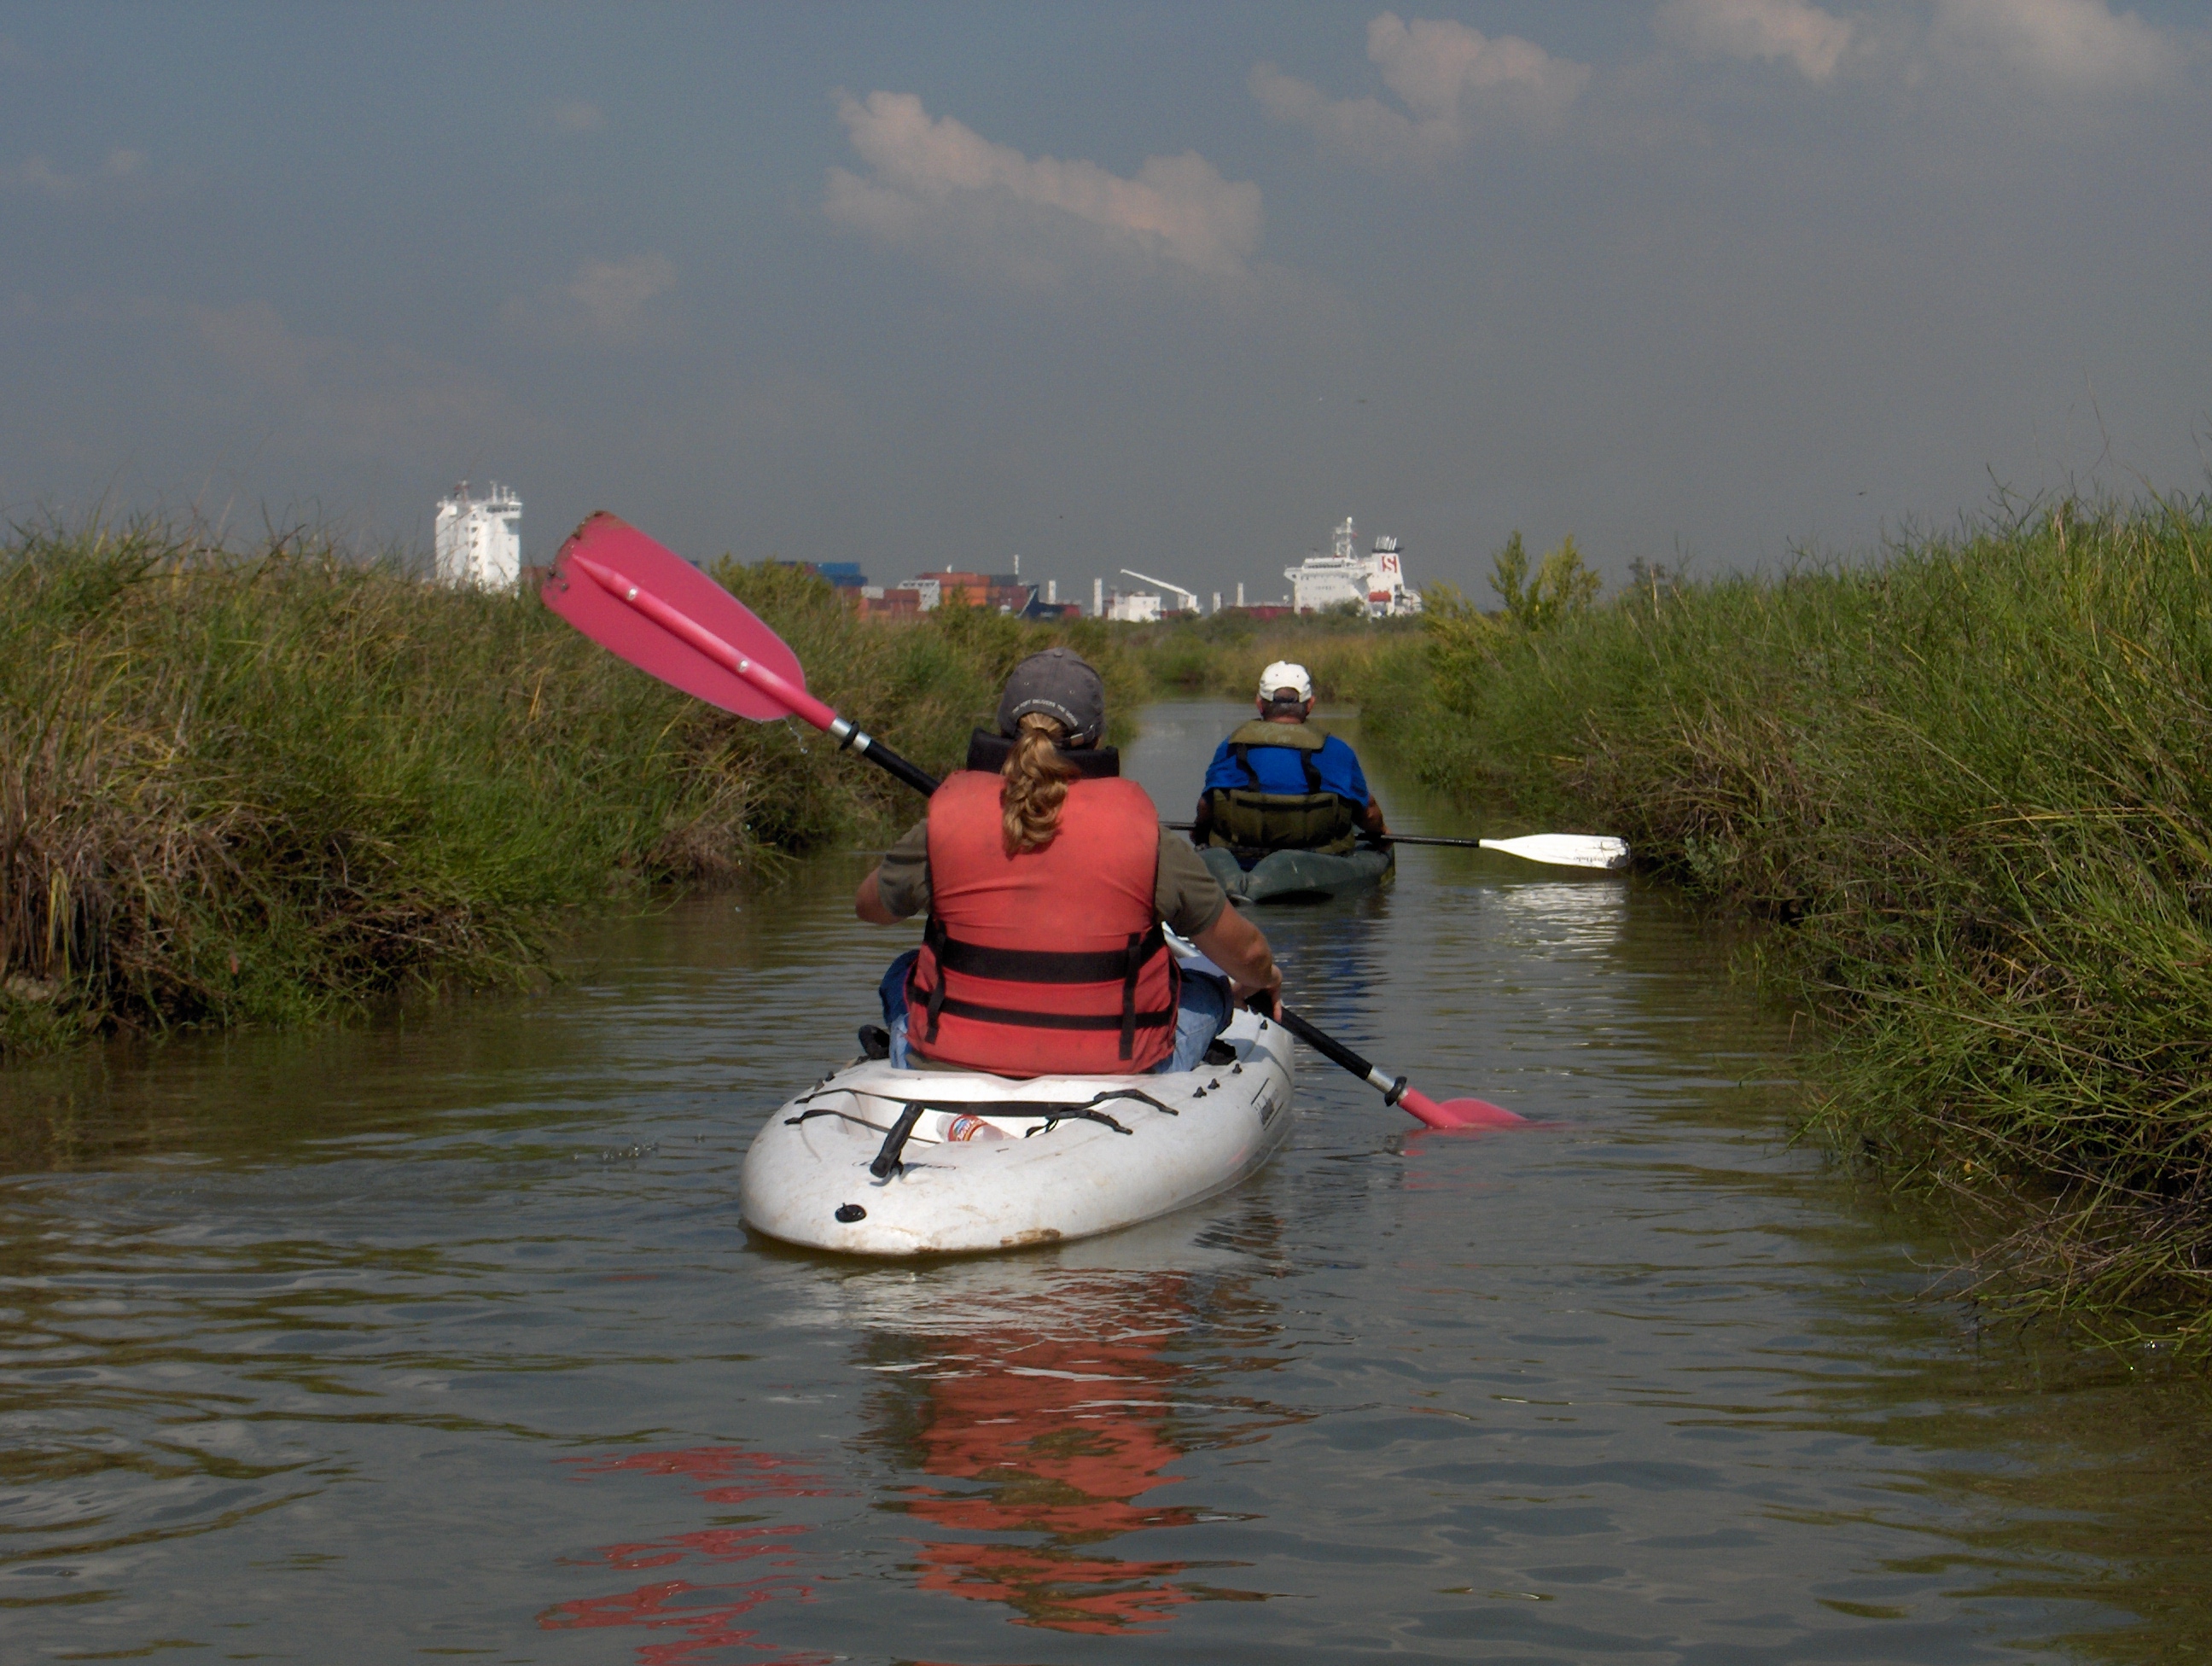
(320, 393)
(579, 116)
(611, 292)
(603, 298)
(311, 394)
(940, 179)
(37, 173)
(242, 379)
(2070, 44)
(1448, 78)
(1766, 30)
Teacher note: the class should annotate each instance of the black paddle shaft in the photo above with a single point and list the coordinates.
(1388, 838)
(884, 758)
(1328, 1046)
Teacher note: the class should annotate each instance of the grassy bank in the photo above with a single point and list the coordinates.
(259, 786)
(1972, 784)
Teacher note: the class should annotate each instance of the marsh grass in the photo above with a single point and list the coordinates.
(262, 786)
(1972, 782)
(1224, 653)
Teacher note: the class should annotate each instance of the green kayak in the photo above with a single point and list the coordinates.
(1300, 875)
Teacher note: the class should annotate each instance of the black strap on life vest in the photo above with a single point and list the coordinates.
(1046, 966)
(988, 752)
(1242, 752)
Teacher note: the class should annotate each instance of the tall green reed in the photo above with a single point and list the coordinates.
(1974, 783)
(259, 786)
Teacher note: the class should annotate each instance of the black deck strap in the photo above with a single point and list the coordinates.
(1048, 1111)
(1060, 1114)
(1136, 1093)
(813, 1111)
(1088, 1111)
(988, 752)
(887, 1160)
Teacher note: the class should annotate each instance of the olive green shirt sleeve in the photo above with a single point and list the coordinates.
(1188, 897)
(903, 879)
(1186, 893)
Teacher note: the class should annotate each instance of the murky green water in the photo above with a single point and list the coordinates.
(446, 1341)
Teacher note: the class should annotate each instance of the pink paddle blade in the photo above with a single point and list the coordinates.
(1458, 1113)
(608, 621)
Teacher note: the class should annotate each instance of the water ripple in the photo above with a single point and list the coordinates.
(443, 1337)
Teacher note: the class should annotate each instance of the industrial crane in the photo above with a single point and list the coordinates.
(1190, 595)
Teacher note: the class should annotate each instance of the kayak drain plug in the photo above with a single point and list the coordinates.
(849, 1212)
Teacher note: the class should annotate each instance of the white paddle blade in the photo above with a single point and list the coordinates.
(1193, 957)
(1566, 850)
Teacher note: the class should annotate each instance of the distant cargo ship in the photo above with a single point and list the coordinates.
(1375, 582)
(478, 540)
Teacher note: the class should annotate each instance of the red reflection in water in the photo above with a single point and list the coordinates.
(698, 1618)
(765, 1475)
(703, 1626)
(1065, 1433)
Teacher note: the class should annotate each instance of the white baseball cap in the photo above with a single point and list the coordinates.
(1285, 674)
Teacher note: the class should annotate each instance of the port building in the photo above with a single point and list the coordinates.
(925, 593)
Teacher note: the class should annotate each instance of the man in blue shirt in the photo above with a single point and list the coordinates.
(1277, 784)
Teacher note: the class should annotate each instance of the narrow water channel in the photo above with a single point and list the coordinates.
(442, 1338)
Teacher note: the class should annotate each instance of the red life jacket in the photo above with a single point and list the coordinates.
(1052, 961)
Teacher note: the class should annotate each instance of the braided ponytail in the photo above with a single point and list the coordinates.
(1037, 784)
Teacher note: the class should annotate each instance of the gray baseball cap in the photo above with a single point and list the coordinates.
(1061, 685)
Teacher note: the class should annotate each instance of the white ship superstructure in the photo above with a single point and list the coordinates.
(478, 540)
(1133, 606)
(1375, 582)
(1186, 601)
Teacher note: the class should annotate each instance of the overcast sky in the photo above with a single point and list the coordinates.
(1172, 287)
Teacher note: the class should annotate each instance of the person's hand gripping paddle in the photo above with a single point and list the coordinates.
(649, 605)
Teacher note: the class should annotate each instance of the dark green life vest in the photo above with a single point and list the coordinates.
(1245, 818)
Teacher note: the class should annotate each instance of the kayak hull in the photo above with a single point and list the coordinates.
(1286, 875)
(1021, 1175)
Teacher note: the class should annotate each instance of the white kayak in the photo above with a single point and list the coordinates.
(876, 1161)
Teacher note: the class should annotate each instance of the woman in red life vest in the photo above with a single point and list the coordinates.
(1047, 879)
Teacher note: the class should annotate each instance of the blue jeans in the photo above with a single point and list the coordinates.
(1201, 1014)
